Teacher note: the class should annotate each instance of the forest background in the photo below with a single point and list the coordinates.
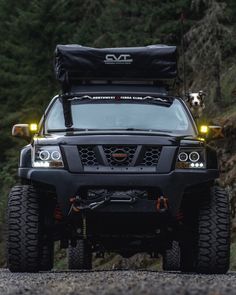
(30, 30)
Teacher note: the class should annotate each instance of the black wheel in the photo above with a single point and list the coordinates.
(23, 229)
(80, 257)
(213, 247)
(47, 256)
(171, 258)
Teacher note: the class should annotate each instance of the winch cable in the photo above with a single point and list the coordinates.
(97, 202)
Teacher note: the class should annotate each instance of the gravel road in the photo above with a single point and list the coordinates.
(116, 282)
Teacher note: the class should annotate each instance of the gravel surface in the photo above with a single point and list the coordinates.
(116, 282)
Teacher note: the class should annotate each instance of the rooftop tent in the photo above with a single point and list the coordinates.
(74, 63)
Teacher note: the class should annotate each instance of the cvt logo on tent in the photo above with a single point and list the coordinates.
(118, 59)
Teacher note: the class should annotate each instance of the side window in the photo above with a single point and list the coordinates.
(181, 120)
(55, 118)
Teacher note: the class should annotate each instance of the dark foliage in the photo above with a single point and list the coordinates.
(29, 32)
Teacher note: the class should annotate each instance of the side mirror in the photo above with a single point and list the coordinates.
(25, 131)
(211, 132)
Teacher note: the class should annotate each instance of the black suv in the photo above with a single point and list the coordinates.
(117, 165)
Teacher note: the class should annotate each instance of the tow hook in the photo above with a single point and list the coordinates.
(162, 204)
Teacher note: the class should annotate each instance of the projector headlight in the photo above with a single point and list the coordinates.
(47, 157)
(191, 158)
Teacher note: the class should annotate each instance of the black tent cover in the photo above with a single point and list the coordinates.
(153, 62)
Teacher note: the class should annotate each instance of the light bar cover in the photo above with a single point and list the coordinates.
(76, 62)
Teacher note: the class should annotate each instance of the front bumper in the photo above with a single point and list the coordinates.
(172, 185)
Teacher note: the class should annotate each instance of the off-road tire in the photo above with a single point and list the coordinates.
(80, 257)
(47, 256)
(23, 229)
(213, 247)
(171, 258)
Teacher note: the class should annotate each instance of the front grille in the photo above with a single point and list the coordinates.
(119, 155)
(111, 150)
(151, 156)
(87, 155)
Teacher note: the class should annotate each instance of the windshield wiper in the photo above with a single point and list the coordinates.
(149, 130)
(130, 129)
(102, 130)
(66, 130)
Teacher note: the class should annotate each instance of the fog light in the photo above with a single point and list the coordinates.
(204, 129)
(33, 127)
(42, 164)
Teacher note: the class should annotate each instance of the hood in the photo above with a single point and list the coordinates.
(116, 139)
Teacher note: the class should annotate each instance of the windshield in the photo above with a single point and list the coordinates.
(121, 115)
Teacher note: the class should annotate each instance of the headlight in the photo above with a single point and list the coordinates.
(47, 157)
(183, 157)
(191, 158)
(194, 157)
